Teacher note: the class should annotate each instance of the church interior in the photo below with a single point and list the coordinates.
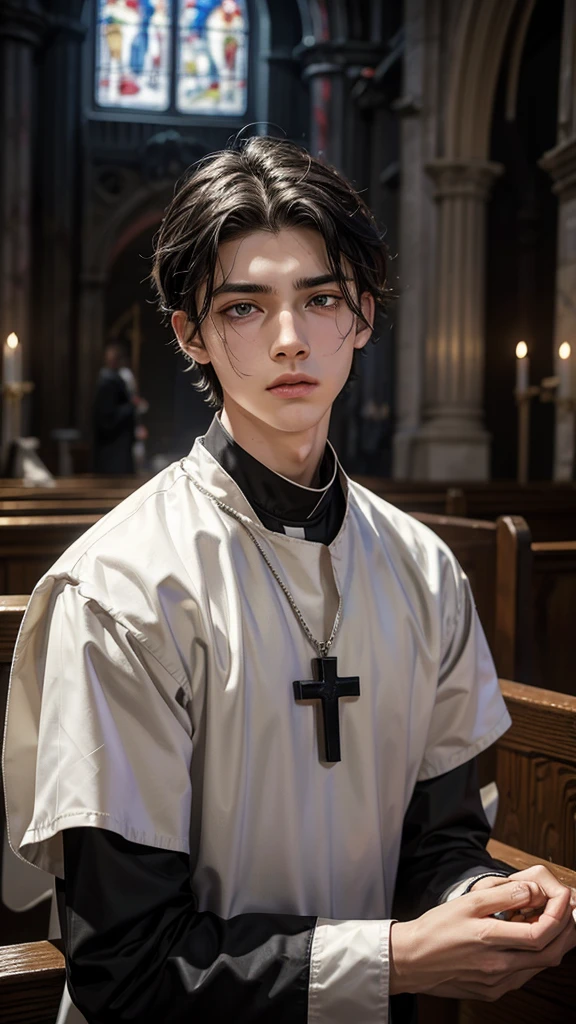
(456, 122)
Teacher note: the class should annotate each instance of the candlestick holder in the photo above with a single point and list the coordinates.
(549, 393)
(565, 421)
(13, 393)
(523, 400)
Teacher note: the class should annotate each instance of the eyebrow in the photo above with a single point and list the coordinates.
(246, 288)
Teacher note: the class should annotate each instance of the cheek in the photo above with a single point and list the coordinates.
(335, 333)
(234, 349)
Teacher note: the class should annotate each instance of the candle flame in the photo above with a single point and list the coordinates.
(565, 351)
(521, 350)
(12, 340)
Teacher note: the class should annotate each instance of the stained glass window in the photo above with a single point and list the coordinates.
(133, 54)
(212, 56)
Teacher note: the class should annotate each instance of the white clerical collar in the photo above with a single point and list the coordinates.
(270, 492)
(205, 469)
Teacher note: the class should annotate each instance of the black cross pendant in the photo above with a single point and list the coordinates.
(327, 687)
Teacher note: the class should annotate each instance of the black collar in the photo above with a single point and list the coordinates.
(313, 513)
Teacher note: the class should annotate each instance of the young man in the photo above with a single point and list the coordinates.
(219, 857)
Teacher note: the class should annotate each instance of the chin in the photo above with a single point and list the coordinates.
(294, 417)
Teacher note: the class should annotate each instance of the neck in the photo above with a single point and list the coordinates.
(295, 455)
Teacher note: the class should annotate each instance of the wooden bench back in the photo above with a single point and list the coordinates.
(496, 558)
(548, 508)
(553, 594)
(536, 774)
(29, 546)
(58, 506)
(29, 924)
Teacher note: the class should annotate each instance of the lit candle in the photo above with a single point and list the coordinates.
(565, 371)
(12, 360)
(522, 367)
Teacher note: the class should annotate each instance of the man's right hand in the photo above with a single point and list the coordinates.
(461, 951)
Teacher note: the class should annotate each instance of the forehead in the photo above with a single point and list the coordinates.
(262, 255)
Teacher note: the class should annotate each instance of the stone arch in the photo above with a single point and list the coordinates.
(452, 441)
(481, 34)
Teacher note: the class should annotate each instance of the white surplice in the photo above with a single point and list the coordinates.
(152, 695)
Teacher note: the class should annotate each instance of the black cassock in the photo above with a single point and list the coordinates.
(114, 417)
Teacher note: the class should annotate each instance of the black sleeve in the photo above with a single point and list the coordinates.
(137, 948)
(443, 841)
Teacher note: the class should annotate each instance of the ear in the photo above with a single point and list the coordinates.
(363, 332)
(189, 340)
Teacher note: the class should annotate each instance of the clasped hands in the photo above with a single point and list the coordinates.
(460, 950)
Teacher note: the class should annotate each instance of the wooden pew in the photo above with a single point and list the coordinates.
(553, 594)
(86, 481)
(496, 557)
(548, 507)
(536, 774)
(31, 924)
(29, 545)
(34, 494)
(59, 506)
(31, 983)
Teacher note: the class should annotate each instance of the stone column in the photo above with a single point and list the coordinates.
(452, 443)
(417, 109)
(21, 30)
(561, 164)
(58, 225)
(338, 130)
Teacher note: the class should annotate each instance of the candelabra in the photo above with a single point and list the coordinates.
(13, 393)
(546, 391)
(524, 397)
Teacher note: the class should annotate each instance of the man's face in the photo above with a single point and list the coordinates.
(277, 311)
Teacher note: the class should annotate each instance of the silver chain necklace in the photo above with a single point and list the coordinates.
(321, 646)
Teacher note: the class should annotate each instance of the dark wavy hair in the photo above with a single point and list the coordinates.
(260, 184)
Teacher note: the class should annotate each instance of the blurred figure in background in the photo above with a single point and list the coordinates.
(114, 416)
(142, 406)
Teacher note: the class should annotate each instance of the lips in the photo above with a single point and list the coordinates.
(299, 390)
(292, 386)
(292, 379)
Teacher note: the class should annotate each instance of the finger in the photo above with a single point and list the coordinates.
(510, 896)
(519, 950)
(533, 935)
(558, 895)
(488, 883)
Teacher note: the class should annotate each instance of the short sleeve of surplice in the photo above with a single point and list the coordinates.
(469, 712)
(98, 732)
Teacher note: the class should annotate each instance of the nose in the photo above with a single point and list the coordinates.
(291, 341)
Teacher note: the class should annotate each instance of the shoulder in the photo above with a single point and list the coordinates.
(394, 525)
(139, 545)
(133, 567)
(411, 546)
